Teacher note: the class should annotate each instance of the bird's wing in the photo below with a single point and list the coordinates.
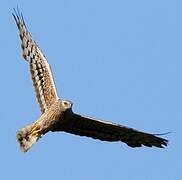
(106, 131)
(40, 69)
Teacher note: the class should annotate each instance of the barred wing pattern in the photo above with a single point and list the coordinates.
(107, 131)
(40, 69)
(57, 115)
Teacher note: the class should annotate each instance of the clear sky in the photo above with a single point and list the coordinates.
(116, 60)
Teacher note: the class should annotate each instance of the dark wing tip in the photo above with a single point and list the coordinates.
(148, 140)
(165, 143)
(15, 15)
(18, 16)
(158, 142)
(162, 142)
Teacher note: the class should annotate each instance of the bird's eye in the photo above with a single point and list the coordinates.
(66, 104)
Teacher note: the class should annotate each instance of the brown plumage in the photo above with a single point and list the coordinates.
(40, 69)
(57, 115)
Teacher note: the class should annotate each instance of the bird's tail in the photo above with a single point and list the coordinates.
(27, 136)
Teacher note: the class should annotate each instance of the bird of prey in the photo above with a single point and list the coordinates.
(57, 114)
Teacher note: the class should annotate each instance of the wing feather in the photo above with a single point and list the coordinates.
(40, 69)
(106, 131)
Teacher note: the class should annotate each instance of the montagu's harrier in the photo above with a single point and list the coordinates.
(57, 114)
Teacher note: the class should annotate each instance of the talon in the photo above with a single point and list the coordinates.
(35, 130)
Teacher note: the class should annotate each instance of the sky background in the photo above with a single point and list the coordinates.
(116, 60)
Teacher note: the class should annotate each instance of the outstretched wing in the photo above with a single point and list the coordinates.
(40, 69)
(106, 131)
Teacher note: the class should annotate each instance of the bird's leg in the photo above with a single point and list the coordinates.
(36, 130)
(30, 134)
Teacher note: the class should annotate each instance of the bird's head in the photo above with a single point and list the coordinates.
(67, 104)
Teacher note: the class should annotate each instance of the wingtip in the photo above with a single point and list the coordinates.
(15, 16)
(162, 143)
(165, 143)
(18, 16)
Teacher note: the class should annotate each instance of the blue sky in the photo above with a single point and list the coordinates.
(116, 60)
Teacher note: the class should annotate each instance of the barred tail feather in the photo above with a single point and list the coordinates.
(27, 138)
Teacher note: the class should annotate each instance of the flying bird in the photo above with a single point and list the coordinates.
(57, 114)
